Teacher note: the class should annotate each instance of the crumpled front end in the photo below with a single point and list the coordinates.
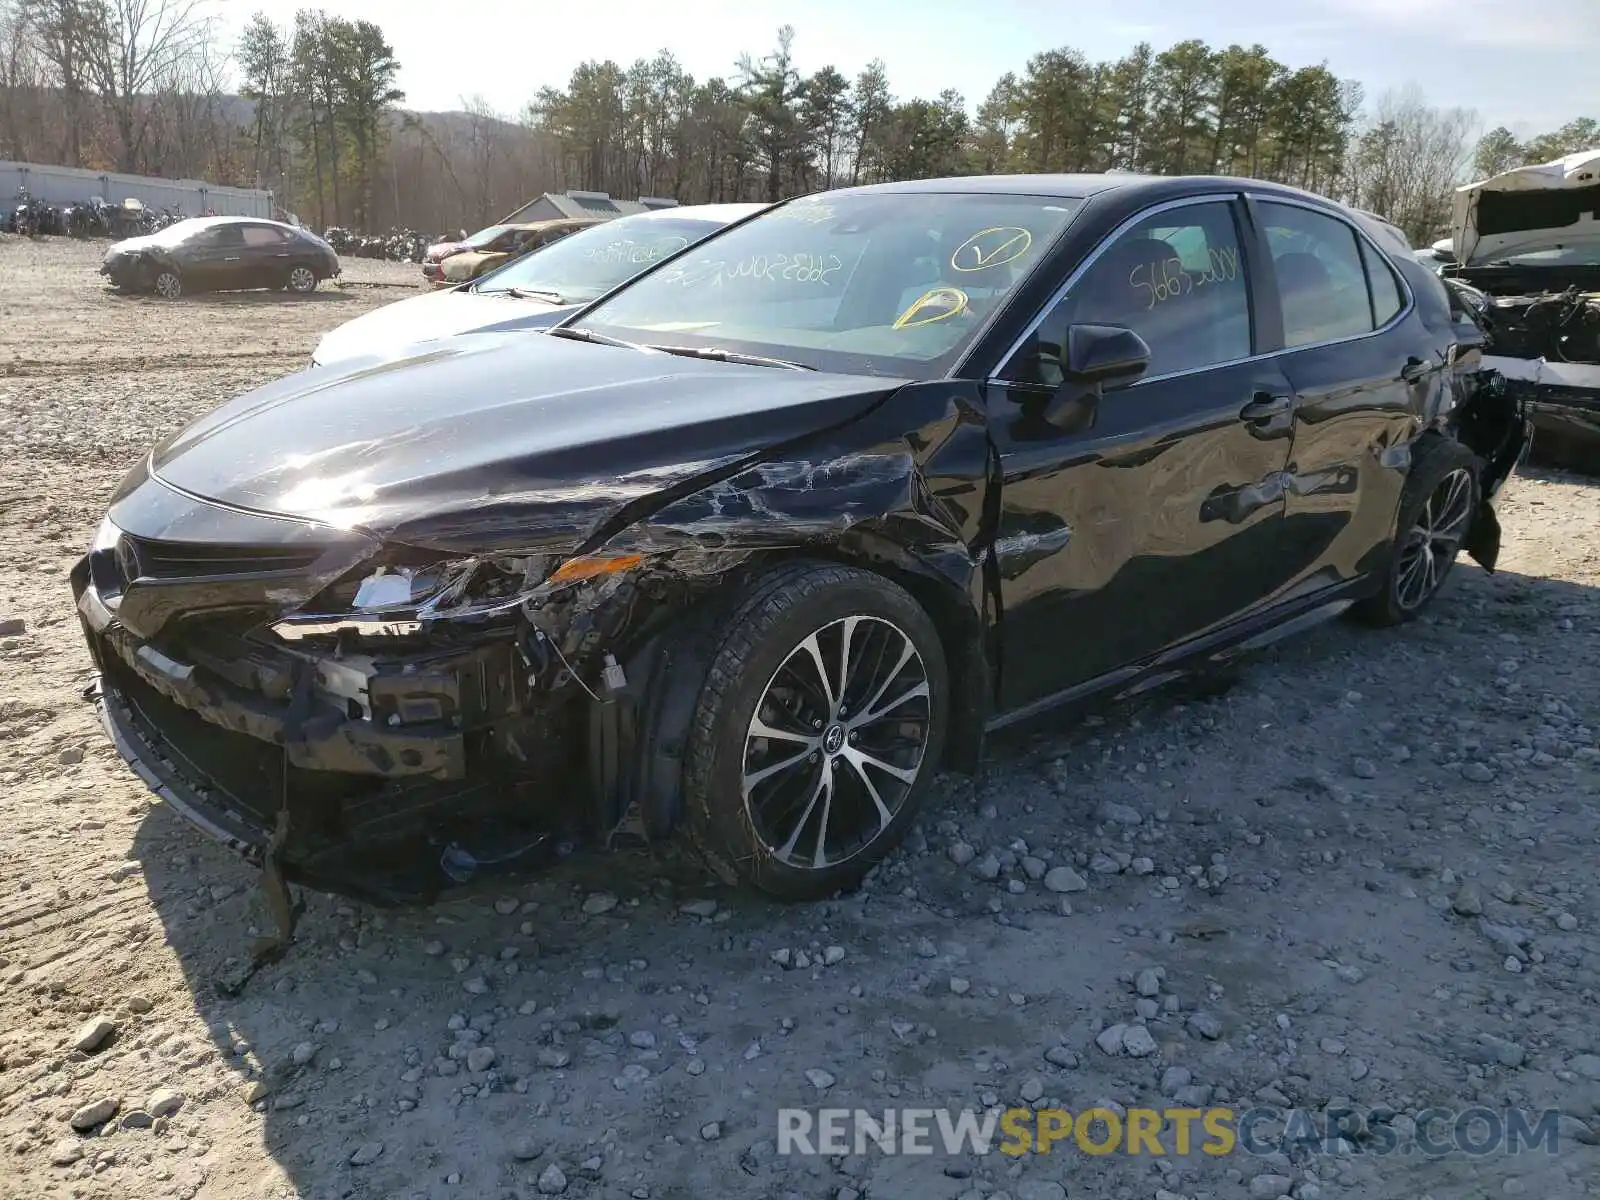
(127, 270)
(387, 743)
(501, 649)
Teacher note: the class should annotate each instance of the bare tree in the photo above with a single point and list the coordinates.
(486, 150)
(23, 80)
(61, 32)
(1408, 160)
(133, 48)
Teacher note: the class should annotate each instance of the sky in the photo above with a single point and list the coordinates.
(1526, 64)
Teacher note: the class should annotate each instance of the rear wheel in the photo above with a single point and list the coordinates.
(1436, 510)
(168, 285)
(300, 280)
(821, 722)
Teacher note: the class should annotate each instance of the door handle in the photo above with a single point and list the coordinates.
(1264, 406)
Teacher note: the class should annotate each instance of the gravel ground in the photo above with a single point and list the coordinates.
(1362, 875)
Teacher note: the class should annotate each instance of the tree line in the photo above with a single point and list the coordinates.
(772, 131)
(311, 111)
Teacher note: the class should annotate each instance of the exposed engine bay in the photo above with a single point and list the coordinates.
(1524, 261)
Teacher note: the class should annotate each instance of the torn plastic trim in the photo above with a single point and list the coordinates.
(327, 741)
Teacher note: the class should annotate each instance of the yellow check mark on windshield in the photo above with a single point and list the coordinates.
(1009, 249)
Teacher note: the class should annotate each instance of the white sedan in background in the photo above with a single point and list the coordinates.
(536, 290)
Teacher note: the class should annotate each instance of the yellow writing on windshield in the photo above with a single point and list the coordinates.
(993, 247)
(938, 304)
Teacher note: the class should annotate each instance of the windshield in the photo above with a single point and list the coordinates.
(589, 263)
(485, 237)
(877, 282)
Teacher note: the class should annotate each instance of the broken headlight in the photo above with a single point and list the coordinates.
(396, 600)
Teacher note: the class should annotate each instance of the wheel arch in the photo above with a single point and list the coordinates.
(635, 748)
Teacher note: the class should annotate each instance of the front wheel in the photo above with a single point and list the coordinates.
(301, 280)
(168, 285)
(1441, 498)
(821, 722)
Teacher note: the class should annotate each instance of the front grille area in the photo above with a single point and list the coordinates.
(150, 559)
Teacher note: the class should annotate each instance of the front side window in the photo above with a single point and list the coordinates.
(1321, 280)
(220, 237)
(1176, 279)
(585, 263)
(893, 283)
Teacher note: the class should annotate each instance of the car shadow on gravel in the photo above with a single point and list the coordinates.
(327, 294)
(625, 991)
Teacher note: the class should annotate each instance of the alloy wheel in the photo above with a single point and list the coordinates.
(1430, 545)
(302, 279)
(836, 742)
(168, 286)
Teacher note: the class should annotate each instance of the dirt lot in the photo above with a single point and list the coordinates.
(1362, 876)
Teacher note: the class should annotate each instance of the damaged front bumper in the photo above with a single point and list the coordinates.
(378, 765)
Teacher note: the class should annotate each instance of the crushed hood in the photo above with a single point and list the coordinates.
(1528, 208)
(135, 245)
(385, 331)
(519, 436)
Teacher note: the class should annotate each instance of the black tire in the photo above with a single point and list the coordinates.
(167, 284)
(1441, 470)
(300, 280)
(848, 611)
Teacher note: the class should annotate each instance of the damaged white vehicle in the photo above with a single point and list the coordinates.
(1524, 258)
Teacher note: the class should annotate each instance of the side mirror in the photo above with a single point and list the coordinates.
(1094, 358)
(1103, 356)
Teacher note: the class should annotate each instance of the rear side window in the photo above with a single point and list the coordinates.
(1387, 300)
(1322, 282)
(264, 235)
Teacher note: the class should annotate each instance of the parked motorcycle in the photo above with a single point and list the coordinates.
(131, 219)
(24, 219)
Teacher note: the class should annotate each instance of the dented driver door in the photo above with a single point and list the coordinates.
(1150, 513)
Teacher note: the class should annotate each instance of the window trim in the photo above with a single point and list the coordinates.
(1408, 298)
(1242, 229)
(1253, 243)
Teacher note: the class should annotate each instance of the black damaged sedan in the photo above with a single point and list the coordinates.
(212, 254)
(757, 543)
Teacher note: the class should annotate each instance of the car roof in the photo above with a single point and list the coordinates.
(727, 213)
(197, 223)
(548, 223)
(1083, 186)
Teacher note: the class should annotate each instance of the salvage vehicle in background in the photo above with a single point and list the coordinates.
(473, 264)
(495, 245)
(1524, 256)
(758, 542)
(536, 290)
(207, 254)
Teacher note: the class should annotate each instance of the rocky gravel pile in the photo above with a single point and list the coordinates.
(1357, 874)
